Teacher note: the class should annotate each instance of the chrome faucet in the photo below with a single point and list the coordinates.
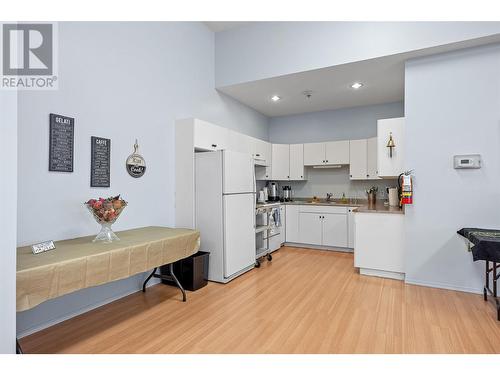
(329, 197)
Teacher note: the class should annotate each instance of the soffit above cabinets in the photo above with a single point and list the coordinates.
(382, 78)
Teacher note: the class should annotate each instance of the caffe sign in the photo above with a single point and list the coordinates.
(136, 165)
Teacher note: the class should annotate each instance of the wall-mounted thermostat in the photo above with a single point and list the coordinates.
(467, 161)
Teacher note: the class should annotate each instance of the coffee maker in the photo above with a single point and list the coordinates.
(273, 192)
(287, 194)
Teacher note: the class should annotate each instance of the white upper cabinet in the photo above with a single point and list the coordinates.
(327, 153)
(337, 152)
(314, 154)
(390, 167)
(358, 159)
(259, 149)
(262, 151)
(240, 142)
(296, 162)
(210, 137)
(363, 159)
(371, 164)
(280, 162)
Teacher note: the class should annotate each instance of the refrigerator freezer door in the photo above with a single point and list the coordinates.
(239, 233)
(239, 173)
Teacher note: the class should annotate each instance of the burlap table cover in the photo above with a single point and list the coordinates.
(79, 263)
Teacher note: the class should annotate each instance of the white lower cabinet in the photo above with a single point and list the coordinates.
(350, 227)
(283, 224)
(334, 230)
(310, 228)
(321, 225)
(379, 247)
(292, 223)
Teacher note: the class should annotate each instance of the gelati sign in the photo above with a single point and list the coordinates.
(28, 60)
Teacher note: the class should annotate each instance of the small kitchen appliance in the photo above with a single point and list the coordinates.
(392, 193)
(273, 193)
(261, 198)
(287, 194)
(266, 193)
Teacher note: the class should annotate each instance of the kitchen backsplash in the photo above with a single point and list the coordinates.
(336, 181)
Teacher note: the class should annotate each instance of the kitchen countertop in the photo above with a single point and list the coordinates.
(379, 207)
(360, 204)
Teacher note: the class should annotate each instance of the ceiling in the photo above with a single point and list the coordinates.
(217, 26)
(382, 78)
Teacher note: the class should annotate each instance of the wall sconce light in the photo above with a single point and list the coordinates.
(390, 144)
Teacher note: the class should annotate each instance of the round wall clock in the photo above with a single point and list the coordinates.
(136, 165)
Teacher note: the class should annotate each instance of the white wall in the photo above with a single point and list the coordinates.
(452, 106)
(8, 192)
(268, 49)
(350, 123)
(121, 81)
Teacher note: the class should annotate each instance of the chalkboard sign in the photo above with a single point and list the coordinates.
(61, 146)
(100, 162)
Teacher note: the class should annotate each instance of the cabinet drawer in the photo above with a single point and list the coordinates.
(323, 209)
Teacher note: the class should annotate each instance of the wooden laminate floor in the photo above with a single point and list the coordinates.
(304, 301)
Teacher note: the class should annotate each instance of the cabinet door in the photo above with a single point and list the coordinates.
(262, 151)
(297, 162)
(280, 162)
(283, 224)
(337, 152)
(314, 153)
(292, 223)
(310, 228)
(262, 173)
(334, 230)
(240, 142)
(371, 159)
(358, 159)
(210, 137)
(387, 166)
(350, 227)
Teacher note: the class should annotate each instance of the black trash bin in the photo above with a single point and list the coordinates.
(192, 272)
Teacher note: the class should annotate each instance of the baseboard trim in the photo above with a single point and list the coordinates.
(443, 286)
(381, 273)
(83, 310)
(319, 247)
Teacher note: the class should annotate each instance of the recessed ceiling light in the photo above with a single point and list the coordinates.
(275, 98)
(356, 85)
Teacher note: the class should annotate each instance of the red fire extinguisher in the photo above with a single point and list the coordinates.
(405, 188)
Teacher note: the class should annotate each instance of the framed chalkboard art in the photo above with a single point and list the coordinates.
(61, 143)
(100, 163)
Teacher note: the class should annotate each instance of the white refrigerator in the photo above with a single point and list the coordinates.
(225, 211)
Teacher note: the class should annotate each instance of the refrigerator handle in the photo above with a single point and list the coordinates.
(254, 180)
